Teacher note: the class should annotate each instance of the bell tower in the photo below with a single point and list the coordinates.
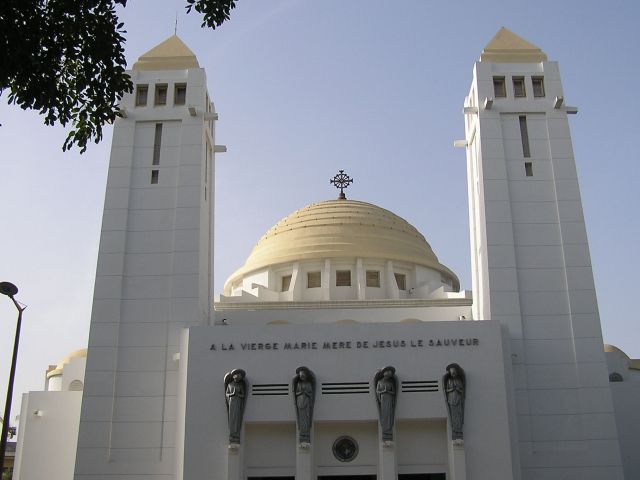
(531, 267)
(154, 273)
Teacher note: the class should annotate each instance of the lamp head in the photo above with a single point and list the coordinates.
(8, 289)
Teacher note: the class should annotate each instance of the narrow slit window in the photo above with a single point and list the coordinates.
(161, 94)
(499, 87)
(157, 143)
(343, 278)
(401, 281)
(141, 95)
(518, 87)
(206, 170)
(180, 94)
(154, 176)
(285, 283)
(538, 86)
(373, 278)
(524, 136)
(528, 169)
(313, 279)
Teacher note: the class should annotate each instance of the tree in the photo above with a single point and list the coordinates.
(65, 59)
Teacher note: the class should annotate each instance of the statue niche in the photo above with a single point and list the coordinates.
(386, 390)
(235, 389)
(303, 387)
(453, 386)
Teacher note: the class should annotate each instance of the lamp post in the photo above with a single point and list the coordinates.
(10, 290)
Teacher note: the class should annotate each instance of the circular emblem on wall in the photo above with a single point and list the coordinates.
(345, 449)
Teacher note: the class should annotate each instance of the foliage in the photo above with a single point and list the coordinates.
(65, 59)
(214, 12)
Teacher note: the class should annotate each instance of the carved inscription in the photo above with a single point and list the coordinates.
(348, 344)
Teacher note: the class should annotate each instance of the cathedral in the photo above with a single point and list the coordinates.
(343, 348)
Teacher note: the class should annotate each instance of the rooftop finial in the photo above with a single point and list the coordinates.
(341, 181)
(175, 27)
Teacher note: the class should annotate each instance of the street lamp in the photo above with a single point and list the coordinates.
(10, 290)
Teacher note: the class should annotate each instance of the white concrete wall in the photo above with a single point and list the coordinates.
(48, 436)
(422, 446)
(279, 458)
(626, 398)
(421, 416)
(531, 271)
(74, 372)
(153, 278)
(54, 383)
(344, 312)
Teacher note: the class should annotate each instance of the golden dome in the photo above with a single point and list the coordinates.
(339, 229)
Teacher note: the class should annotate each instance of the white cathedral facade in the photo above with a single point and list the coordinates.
(507, 382)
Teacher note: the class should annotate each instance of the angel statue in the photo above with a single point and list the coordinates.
(453, 385)
(235, 389)
(303, 386)
(386, 390)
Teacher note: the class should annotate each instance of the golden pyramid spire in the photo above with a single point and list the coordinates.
(172, 54)
(507, 47)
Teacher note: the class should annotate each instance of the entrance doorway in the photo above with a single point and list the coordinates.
(406, 476)
(422, 476)
(271, 478)
(347, 477)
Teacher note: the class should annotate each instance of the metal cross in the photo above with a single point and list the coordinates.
(341, 181)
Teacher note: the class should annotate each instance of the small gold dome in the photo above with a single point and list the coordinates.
(57, 369)
(339, 229)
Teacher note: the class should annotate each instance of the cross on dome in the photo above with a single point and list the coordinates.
(341, 181)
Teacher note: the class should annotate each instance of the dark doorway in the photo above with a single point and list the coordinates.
(406, 476)
(347, 477)
(422, 476)
(271, 478)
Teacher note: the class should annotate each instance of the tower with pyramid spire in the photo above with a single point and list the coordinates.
(154, 270)
(531, 268)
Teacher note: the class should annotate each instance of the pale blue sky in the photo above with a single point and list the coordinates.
(304, 88)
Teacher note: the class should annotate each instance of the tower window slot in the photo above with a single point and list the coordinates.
(157, 143)
(141, 95)
(180, 94)
(518, 87)
(499, 87)
(538, 86)
(401, 281)
(528, 169)
(524, 136)
(373, 278)
(285, 283)
(313, 279)
(343, 278)
(154, 176)
(161, 94)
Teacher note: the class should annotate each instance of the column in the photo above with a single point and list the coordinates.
(387, 465)
(457, 461)
(234, 462)
(304, 459)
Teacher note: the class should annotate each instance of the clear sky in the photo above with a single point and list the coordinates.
(304, 88)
